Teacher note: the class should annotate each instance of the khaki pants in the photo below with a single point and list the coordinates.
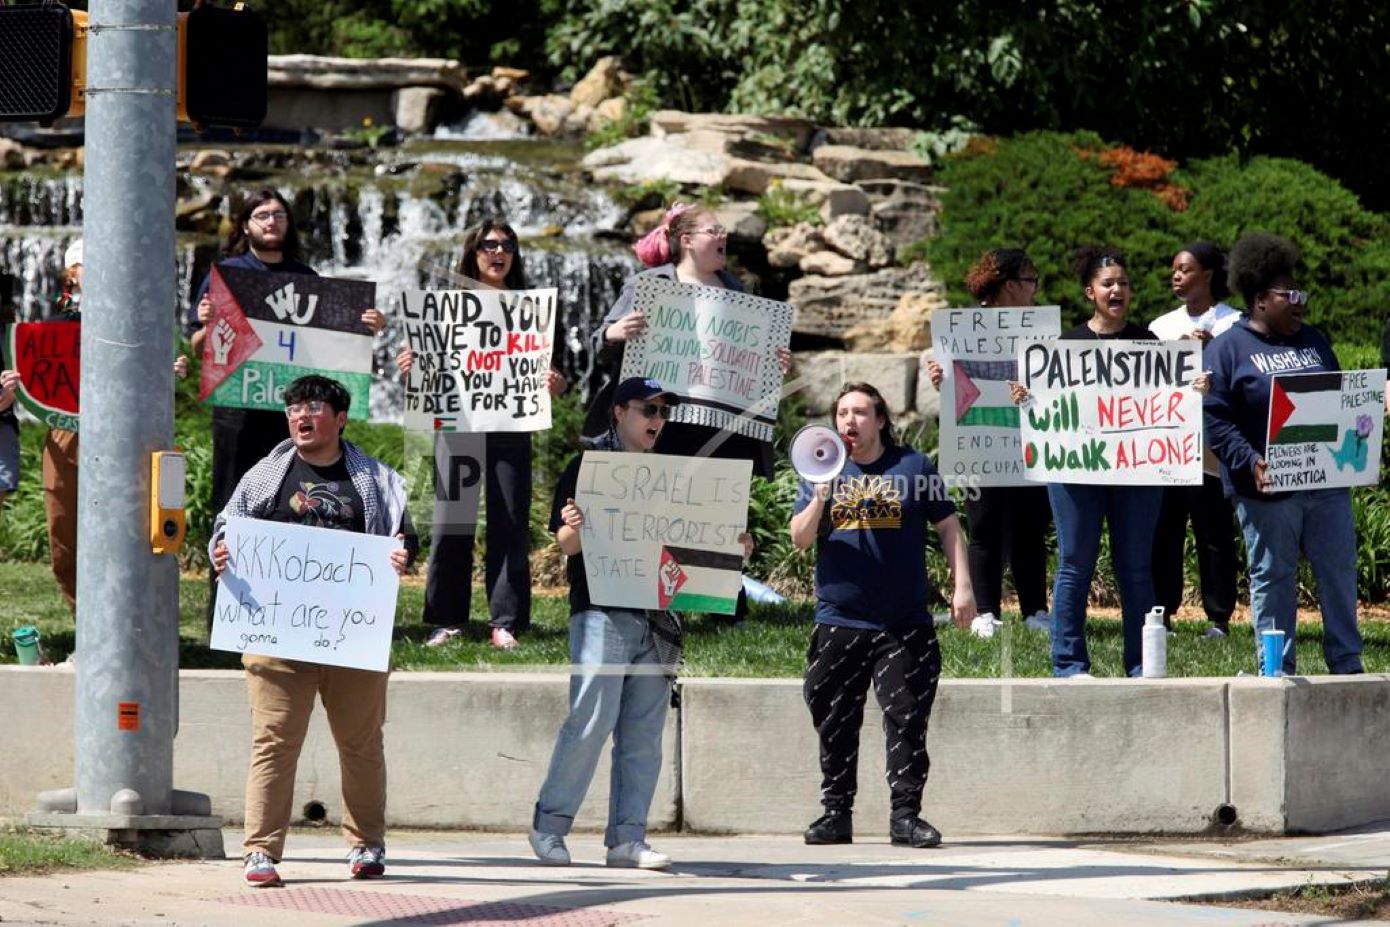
(60, 505)
(282, 698)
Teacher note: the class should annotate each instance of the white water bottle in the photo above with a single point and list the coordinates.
(1155, 649)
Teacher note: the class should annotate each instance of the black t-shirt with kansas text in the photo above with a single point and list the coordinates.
(320, 497)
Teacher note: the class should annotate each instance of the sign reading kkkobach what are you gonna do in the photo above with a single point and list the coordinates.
(304, 593)
(662, 531)
(1325, 429)
(481, 358)
(977, 348)
(1112, 412)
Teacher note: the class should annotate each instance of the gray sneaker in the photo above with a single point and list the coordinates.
(550, 849)
(637, 855)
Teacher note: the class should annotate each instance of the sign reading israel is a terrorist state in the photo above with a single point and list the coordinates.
(302, 593)
(1112, 413)
(481, 358)
(714, 348)
(977, 349)
(1325, 429)
(662, 531)
(269, 329)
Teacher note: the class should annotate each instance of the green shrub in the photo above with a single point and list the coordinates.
(780, 207)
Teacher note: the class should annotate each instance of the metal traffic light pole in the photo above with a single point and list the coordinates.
(127, 597)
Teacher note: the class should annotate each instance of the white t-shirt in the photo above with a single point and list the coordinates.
(1174, 325)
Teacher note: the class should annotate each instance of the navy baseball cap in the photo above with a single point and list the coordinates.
(643, 388)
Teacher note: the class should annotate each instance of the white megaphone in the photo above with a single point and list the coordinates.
(818, 453)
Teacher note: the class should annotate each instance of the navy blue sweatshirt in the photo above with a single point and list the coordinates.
(1236, 411)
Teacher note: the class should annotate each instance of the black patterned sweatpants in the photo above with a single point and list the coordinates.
(904, 666)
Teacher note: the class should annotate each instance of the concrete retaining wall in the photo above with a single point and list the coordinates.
(1027, 756)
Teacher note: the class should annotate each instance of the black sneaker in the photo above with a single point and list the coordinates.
(831, 827)
(913, 832)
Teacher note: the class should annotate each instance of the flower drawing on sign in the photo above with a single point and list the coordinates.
(285, 303)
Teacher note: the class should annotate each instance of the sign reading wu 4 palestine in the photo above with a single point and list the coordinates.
(1112, 413)
(1325, 429)
(481, 359)
(977, 349)
(662, 531)
(716, 349)
(47, 356)
(268, 329)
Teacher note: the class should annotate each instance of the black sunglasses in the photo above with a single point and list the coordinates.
(652, 409)
(493, 244)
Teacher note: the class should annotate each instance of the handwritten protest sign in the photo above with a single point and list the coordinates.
(716, 349)
(47, 356)
(302, 593)
(1112, 413)
(481, 359)
(977, 349)
(662, 531)
(268, 329)
(1325, 429)
(444, 479)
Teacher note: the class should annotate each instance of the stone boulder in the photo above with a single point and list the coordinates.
(577, 122)
(789, 245)
(604, 80)
(12, 155)
(834, 199)
(822, 373)
(904, 211)
(608, 112)
(640, 159)
(828, 306)
(548, 113)
(855, 237)
(742, 221)
(416, 107)
(756, 177)
(211, 161)
(795, 131)
(907, 327)
(851, 165)
(831, 264)
(874, 139)
(321, 72)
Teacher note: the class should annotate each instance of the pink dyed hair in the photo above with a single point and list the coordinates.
(654, 248)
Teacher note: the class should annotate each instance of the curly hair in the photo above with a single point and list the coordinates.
(996, 267)
(1090, 260)
(1210, 257)
(468, 262)
(880, 406)
(1258, 260)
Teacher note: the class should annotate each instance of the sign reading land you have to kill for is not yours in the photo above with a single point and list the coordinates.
(302, 593)
(716, 349)
(1112, 412)
(662, 531)
(481, 358)
(1325, 429)
(977, 349)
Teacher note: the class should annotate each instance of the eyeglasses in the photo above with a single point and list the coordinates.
(266, 218)
(1032, 281)
(315, 407)
(1295, 297)
(652, 409)
(497, 244)
(716, 231)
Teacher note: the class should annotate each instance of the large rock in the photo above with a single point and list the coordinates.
(851, 165)
(834, 199)
(827, 306)
(607, 112)
(640, 159)
(822, 373)
(788, 245)
(673, 122)
(548, 113)
(321, 72)
(831, 264)
(416, 108)
(756, 177)
(11, 155)
(577, 122)
(907, 327)
(855, 237)
(904, 211)
(742, 221)
(604, 80)
(874, 139)
(213, 161)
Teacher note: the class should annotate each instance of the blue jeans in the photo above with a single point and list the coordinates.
(620, 689)
(1318, 523)
(1132, 513)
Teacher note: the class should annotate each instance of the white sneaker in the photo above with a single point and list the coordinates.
(941, 619)
(550, 849)
(1082, 675)
(637, 855)
(985, 625)
(1038, 621)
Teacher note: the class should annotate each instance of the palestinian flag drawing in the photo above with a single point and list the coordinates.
(47, 356)
(267, 329)
(970, 375)
(694, 580)
(1325, 429)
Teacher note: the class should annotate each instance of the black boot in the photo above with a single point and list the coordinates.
(831, 827)
(913, 832)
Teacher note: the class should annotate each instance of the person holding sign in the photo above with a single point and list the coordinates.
(316, 478)
(869, 525)
(1273, 339)
(9, 379)
(1199, 280)
(1080, 508)
(60, 452)
(1005, 521)
(492, 256)
(621, 687)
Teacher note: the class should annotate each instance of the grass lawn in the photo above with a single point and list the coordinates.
(772, 642)
(24, 852)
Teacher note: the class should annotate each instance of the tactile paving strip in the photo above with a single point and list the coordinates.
(400, 908)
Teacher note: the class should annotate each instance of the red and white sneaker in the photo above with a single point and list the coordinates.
(503, 639)
(260, 871)
(367, 862)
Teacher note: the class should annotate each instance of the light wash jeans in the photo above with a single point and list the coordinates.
(621, 690)
(1318, 523)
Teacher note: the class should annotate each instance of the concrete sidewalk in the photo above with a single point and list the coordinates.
(461, 878)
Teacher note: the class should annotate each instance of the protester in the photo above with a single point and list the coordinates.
(9, 379)
(264, 238)
(354, 493)
(1080, 508)
(1005, 521)
(1199, 280)
(60, 452)
(1278, 525)
(492, 257)
(872, 617)
(621, 686)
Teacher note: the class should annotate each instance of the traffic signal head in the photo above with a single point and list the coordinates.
(222, 67)
(36, 77)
